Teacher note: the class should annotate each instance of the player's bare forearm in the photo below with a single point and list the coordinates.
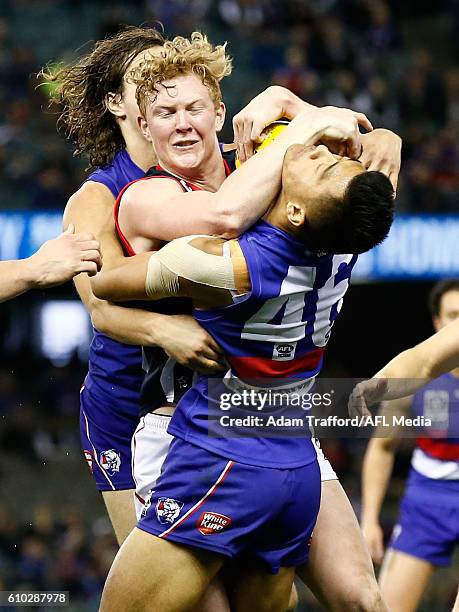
(180, 336)
(412, 369)
(379, 456)
(308, 127)
(17, 277)
(125, 282)
(128, 325)
(377, 469)
(57, 261)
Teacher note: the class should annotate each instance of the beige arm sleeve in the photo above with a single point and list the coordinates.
(178, 259)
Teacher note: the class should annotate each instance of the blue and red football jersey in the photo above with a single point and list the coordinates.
(277, 331)
(437, 454)
(114, 366)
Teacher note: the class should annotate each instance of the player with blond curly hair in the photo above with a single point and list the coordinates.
(99, 114)
(182, 115)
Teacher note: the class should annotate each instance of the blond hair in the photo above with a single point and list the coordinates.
(181, 56)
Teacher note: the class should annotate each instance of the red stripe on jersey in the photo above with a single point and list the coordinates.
(266, 367)
(447, 451)
(182, 182)
(122, 238)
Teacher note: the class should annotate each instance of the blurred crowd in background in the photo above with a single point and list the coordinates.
(395, 61)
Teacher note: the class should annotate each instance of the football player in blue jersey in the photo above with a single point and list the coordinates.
(186, 110)
(91, 209)
(100, 114)
(426, 532)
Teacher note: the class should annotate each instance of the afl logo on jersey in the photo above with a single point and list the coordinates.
(110, 460)
(436, 407)
(284, 351)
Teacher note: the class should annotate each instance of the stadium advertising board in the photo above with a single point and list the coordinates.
(418, 247)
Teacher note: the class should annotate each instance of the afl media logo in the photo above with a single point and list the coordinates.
(284, 351)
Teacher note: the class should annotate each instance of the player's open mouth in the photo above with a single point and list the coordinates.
(185, 144)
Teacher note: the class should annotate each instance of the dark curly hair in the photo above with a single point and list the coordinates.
(81, 89)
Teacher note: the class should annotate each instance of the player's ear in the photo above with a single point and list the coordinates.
(295, 214)
(220, 116)
(143, 126)
(436, 323)
(114, 103)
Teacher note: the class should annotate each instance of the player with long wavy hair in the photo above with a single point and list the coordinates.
(99, 114)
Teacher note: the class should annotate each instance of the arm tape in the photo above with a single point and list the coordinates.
(178, 259)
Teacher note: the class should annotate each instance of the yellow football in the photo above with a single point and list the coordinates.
(271, 132)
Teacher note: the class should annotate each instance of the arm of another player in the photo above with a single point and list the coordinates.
(382, 151)
(56, 261)
(378, 464)
(273, 103)
(243, 197)
(179, 335)
(192, 267)
(410, 370)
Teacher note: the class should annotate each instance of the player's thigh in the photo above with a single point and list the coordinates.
(403, 579)
(456, 604)
(257, 590)
(150, 573)
(215, 599)
(121, 511)
(339, 570)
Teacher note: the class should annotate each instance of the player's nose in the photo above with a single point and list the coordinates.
(318, 151)
(181, 121)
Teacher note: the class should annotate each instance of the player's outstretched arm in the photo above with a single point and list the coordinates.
(192, 267)
(56, 261)
(125, 282)
(410, 370)
(377, 469)
(179, 335)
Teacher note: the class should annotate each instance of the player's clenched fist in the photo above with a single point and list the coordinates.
(62, 258)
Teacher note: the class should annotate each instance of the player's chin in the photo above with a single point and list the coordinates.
(188, 159)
